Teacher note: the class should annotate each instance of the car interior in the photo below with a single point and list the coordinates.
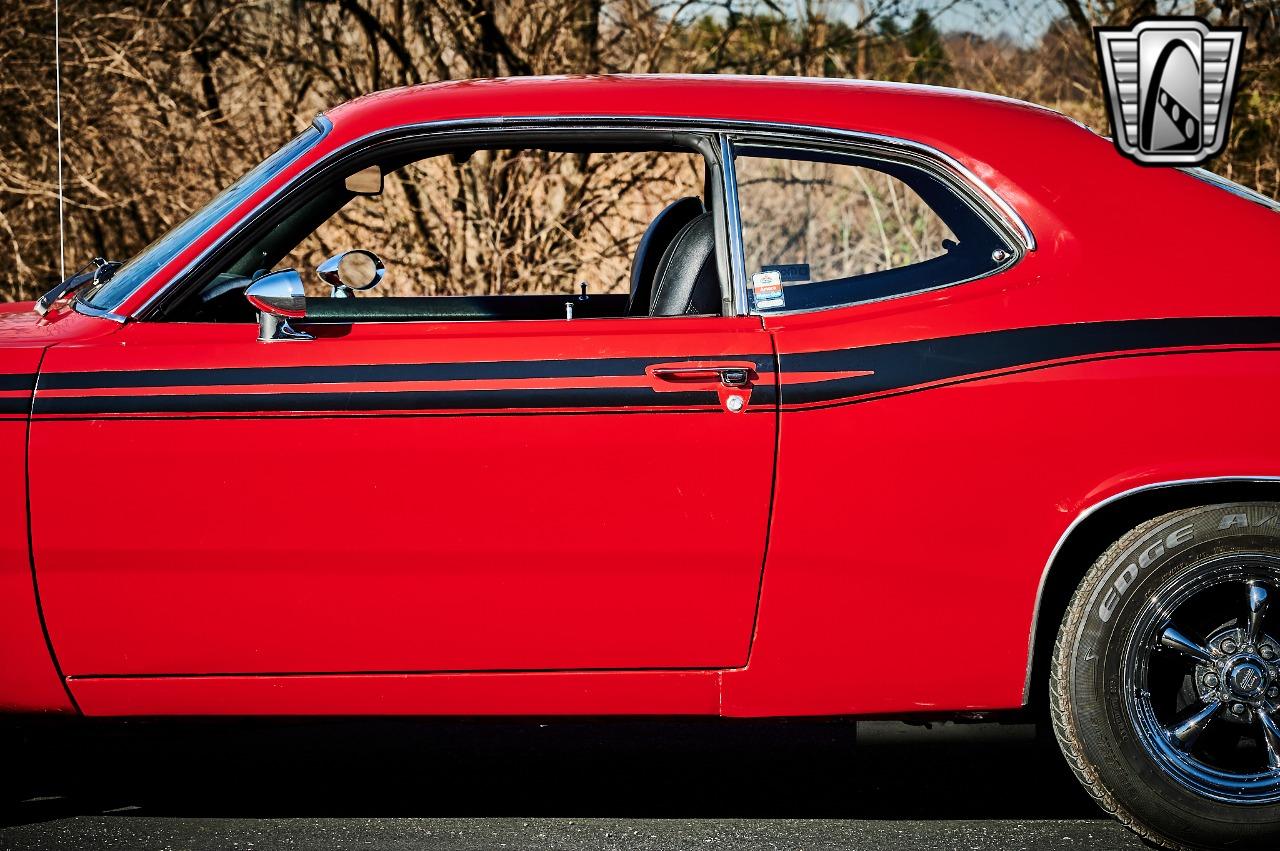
(674, 269)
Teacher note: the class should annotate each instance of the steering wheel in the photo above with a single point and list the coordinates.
(226, 283)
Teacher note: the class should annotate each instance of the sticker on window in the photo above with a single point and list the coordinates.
(767, 289)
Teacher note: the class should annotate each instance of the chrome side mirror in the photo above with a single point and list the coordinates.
(279, 297)
(357, 269)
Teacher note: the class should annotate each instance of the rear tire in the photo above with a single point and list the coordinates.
(1164, 686)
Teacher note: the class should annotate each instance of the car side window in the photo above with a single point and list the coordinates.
(506, 222)
(822, 229)
(573, 231)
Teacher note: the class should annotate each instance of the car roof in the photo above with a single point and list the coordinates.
(908, 110)
(659, 88)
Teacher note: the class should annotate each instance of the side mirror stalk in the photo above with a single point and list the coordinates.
(279, 297)
(276, 329)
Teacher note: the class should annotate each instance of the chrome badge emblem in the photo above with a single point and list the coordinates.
(1169, 85)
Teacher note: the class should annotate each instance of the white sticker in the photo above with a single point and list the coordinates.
(767, 289)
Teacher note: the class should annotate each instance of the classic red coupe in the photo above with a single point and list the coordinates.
(915, 402)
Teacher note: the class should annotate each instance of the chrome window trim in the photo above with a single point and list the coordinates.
(1004, 212)
(737, 262)
(101, 312)
(1085, 515)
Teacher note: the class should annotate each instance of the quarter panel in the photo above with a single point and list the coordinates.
(911, 532)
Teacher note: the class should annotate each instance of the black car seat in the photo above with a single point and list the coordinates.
(653, 245)
(686, 282)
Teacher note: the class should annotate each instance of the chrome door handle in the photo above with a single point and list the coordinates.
(729, 376)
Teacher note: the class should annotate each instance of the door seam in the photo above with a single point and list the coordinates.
(773, 493)
(31, 550)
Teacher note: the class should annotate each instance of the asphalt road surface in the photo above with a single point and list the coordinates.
(598, 785)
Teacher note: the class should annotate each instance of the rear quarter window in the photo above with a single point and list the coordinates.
(841, 229)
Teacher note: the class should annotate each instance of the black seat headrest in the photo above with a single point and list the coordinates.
(686, 282)
(661, 231)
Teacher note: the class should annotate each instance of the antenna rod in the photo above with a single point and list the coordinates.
(57, 83)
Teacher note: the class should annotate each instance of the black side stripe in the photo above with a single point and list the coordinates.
(372, 373)
(431, 400)
(898, 366)
(894, 367)
(17, 381)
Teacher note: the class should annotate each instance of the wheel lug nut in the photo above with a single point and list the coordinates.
(1273, 692)
(1230, 647)
(1237, 709)
(1268, 652)
(1211, 680)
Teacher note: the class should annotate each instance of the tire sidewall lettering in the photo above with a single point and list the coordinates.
(1135, 561)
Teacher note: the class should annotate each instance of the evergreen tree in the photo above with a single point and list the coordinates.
(928, 54)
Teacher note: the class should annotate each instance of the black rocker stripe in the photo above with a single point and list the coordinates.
(430, 400)
(372, 373)
(897, 366)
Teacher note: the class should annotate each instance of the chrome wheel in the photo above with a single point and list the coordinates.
(1200, 678)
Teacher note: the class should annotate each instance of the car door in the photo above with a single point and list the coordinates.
(418, 496)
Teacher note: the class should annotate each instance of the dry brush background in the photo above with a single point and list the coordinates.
(167, 101)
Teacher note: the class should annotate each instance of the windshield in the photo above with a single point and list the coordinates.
(109, 294)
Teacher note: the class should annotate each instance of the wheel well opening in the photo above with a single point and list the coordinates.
(1099, 531)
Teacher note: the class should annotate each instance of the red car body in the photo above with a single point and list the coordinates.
(196, 523)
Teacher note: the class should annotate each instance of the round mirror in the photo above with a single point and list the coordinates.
(357, 269)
